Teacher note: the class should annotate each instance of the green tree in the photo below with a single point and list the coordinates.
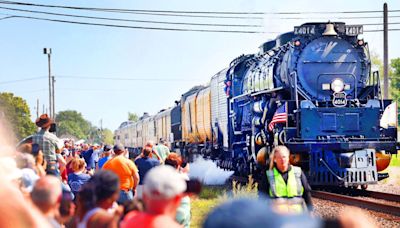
(132, 116)
(108, 136)
(72, 123)
(16, 111)
(395, 83)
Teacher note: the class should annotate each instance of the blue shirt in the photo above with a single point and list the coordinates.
(76, 181)
(144, 165)
(103, 160)
(89, 159)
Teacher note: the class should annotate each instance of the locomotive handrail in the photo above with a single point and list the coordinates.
(351, 74)
(295, 88)
(379, 87)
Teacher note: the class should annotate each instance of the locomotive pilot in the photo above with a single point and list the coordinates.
(286, 184)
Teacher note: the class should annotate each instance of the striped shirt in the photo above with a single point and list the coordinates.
(48, 143)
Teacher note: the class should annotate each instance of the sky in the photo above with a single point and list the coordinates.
(106, 72)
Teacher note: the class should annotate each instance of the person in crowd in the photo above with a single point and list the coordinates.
(154, 153)
(46, 195)
(249, 213)
(67, 208)
(163, 190)
(286, 182)
(183, 212)
(78, 177)
(48, 143)
(26, 163)
(162, 149)
(127, 172)
(107, 155)
(40, 163)
(144, 164)
(89, 157)
(17, 211)
(96, 201)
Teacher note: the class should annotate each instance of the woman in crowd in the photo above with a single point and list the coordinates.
(96, 205)
(78, 178)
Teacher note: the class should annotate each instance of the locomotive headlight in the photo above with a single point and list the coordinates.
(337, 85)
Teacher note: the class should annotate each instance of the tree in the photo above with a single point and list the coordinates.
(16, 111)
(72, 123)
(108, 136)
(132, 117)
(395, 83)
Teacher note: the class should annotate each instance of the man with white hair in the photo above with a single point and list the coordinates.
(163, 190)
(286, 183)
(46, 195)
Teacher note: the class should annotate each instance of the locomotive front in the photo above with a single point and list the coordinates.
(337, 106)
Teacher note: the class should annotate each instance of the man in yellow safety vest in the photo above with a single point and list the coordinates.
(286, 184)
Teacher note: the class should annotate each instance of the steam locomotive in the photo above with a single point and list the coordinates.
(310, 89)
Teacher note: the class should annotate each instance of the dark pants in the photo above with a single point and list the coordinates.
(125, 196)
(52, 169)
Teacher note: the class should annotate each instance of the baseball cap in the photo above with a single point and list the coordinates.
(119, 147)
(164, 182)
(250, 213)
(107, 148)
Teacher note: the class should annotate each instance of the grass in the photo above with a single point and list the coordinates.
(212, 196)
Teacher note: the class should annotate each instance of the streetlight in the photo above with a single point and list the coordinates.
(47, 51)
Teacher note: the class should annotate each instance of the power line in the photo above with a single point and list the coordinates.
(191, 12)
(125, 79)
(132, 11)
(21, 80)
(137, 27)
(129, 20)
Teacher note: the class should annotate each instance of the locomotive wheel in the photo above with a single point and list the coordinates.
(364, 187)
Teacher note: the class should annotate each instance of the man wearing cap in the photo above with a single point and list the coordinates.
(286, 183)
(127, 172)
(163, 190)
(106, 156)
(48, 143)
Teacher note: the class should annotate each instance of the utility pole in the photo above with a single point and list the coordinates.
(53, 95)
(37, 108)
(47, 51)
(385, 52)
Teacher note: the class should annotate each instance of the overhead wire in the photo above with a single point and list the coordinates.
(128, 20)
(191, 12)
(21, 80)
(138, 27)
(126, 79)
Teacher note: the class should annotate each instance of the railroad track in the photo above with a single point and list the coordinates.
(363, 203)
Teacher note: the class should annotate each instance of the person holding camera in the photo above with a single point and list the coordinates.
(49, 144)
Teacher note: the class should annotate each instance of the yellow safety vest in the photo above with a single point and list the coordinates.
(293, 189)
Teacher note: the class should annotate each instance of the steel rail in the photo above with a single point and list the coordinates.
(374, 206)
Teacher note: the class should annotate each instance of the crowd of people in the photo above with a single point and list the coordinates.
(51, 183)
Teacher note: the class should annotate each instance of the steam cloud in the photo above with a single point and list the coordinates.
(208, 172)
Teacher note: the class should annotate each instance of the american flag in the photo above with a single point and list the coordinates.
(280, 116)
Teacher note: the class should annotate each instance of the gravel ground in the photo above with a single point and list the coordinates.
(390, 185)
(328, 209)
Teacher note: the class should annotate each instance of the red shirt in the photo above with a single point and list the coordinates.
(145, 220)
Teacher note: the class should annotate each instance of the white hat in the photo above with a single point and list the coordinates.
(163, 182)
